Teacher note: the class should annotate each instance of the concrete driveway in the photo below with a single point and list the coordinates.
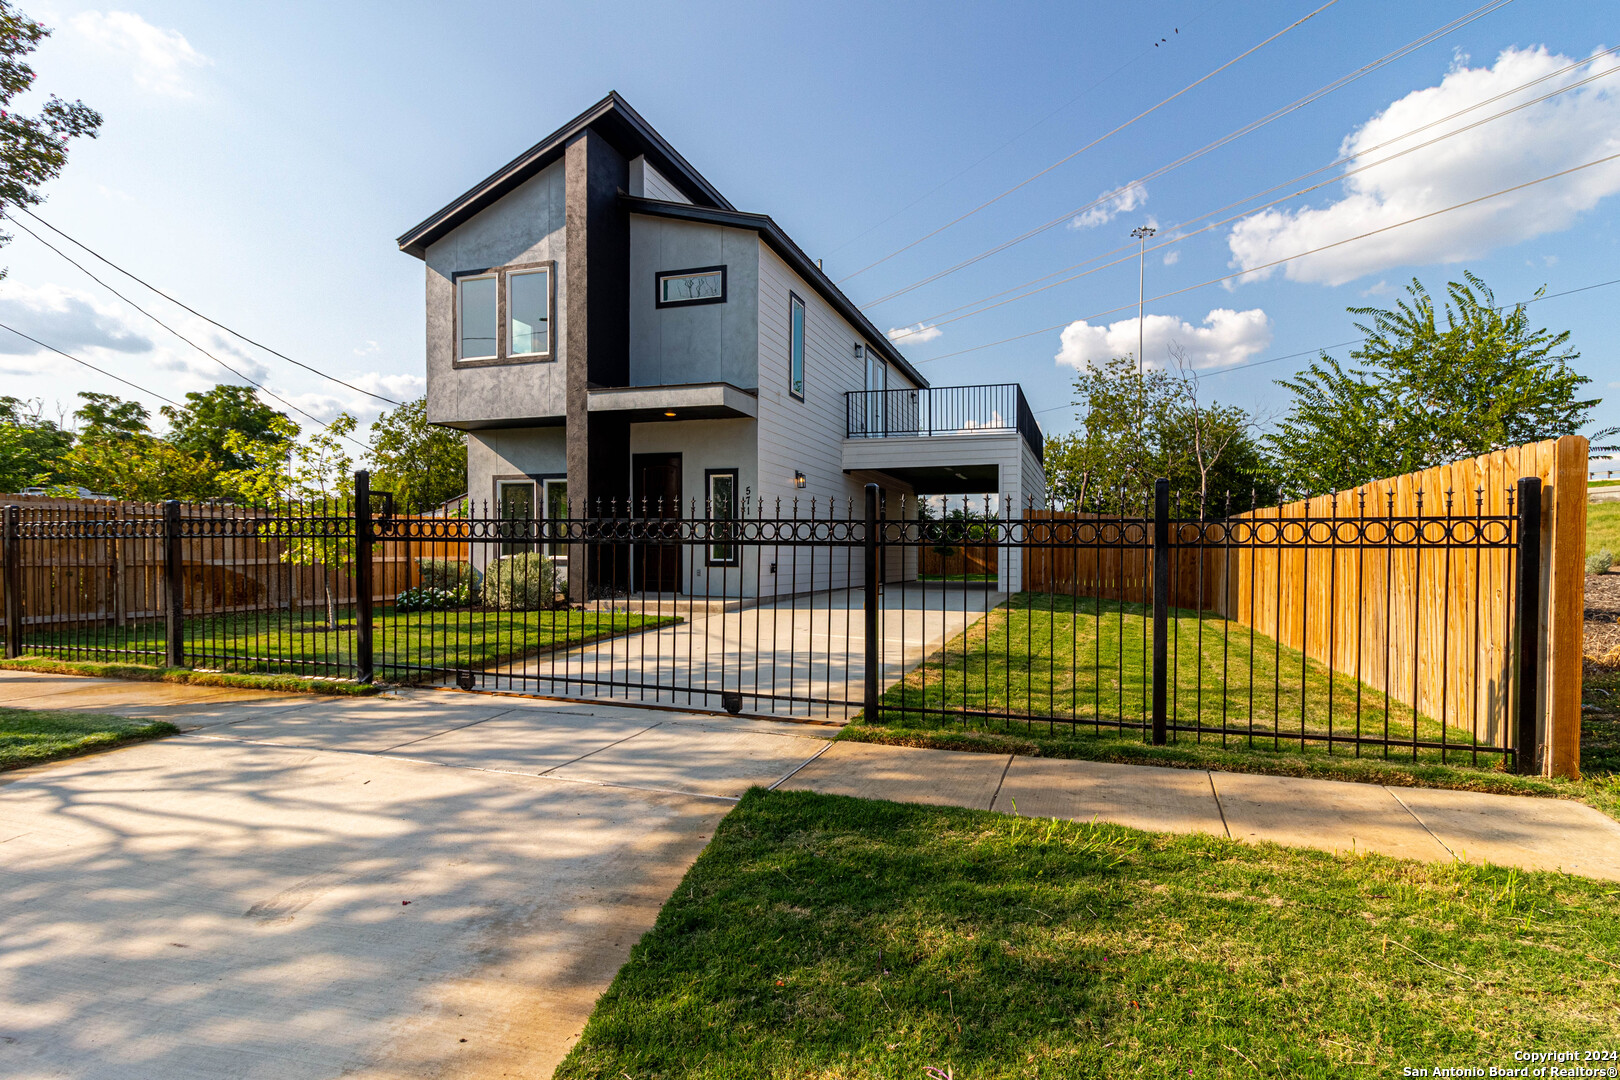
(433, 886)
(799, 657)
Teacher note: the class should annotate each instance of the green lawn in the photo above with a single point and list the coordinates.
(28, 736)
(1059, 664)
(819, 937)
(1020, 659)
(1603, 527)
(278, 641)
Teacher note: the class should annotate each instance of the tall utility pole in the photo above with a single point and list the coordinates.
(1141, 233)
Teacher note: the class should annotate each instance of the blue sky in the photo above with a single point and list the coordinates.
(258, 160)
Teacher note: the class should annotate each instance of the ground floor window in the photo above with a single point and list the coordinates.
(557, 513)
(722, 510)
(515, 501)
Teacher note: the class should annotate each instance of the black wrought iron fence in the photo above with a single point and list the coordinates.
(1344, 628)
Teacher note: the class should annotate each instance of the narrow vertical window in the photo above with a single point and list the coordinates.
(557, 514)
(517, 515)
(528, 313)
(796, 348)
(722, 496)
(477, 317)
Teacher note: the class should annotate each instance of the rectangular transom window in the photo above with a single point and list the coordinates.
(528, 312)
(796, 346)
(477, 317)
(722, 496)
(699, 285)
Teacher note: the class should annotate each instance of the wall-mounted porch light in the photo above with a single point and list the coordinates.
(669, 414)
(798, 479)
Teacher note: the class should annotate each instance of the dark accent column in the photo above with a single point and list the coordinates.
(364, 658)
(596, 345)
(13, 569)
(874, 656)
(174, 600)
(1161, 607)
(1527, 609)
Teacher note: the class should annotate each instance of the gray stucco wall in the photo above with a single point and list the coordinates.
(705, 342)
(507, 453)
(526, 226)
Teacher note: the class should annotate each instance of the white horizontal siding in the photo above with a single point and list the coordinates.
(656, 186)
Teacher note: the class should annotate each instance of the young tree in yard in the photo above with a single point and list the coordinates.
(33, 149)
(422, 465)
(31, 447)
(105, 418)
(1419, 394)
(1139, 426)
(201, 425)
(316, 477)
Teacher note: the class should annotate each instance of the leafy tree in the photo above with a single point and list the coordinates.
(33, 149)
(1419, 394)
(107, 418)
(421, 464)
(201, 425)
(140, 467)
(1139, 426)
(316, 477)
(31, 446)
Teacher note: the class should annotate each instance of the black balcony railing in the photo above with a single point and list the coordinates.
(943, 410)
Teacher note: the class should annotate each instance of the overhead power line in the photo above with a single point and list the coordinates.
(1284, 259)
(1106, 135)
(998, 149)
(182, 304)
(1356, 341)
(88, 364)
(256, 385)
(1178, 230)
(1162, 170)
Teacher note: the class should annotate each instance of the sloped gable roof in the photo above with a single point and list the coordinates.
(616, 121)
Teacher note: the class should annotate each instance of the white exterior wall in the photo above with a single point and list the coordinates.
(649, 183)
(705, 445)
(808, 435)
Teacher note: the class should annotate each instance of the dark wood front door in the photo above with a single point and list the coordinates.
(658, 489)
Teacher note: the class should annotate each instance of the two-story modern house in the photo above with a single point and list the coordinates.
(607, 327)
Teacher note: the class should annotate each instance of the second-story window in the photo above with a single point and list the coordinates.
(698, 285)
(528, 312)
(795, 346)
(477, 317)
(503, 314)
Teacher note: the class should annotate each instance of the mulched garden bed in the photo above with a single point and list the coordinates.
(1602, 614)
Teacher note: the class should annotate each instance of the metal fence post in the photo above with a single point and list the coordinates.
(870, 605)
(174, 587)
(364, 659)
(1527, 609)
(13, 582)
(1161, 607)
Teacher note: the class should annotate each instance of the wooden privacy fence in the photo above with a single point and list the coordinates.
(1432, 629)
(1405, 585)
(99, 561)
(967, 561)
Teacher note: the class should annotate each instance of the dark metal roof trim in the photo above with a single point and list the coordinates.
(790, 252)
(665, 158)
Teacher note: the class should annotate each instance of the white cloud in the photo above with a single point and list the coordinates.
(370, 348)
(159, 60)
(1110, 204)
(914, 335)
(1226, 337)
(1574, 128)
(1172, 257)
(62, 318)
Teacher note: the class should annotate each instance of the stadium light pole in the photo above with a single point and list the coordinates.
(1142, 233)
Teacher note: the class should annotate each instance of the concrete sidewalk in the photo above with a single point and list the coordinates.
(1409, 823)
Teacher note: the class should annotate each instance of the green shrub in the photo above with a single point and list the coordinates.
(1599, 561)
(428, 598)
(451, 575)
(526, 582)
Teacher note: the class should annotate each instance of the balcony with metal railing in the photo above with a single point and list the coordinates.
(997, 409)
